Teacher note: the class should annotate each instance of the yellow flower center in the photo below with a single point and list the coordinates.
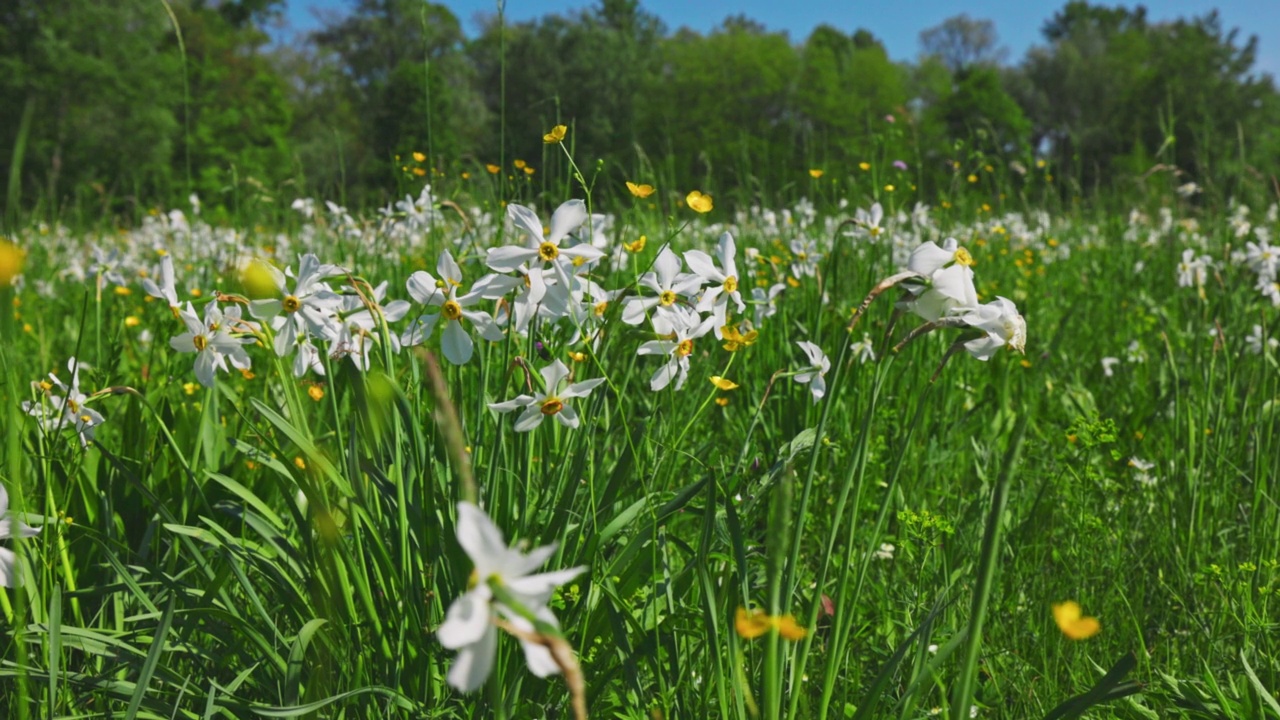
(451, 310)
(200, 341)
(552, 405)
(291, 304)
(600, 308)
(964, 258)
(667, 298)
(685, 348)
(548, 251)
(731, 284)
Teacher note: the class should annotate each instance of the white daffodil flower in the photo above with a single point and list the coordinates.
(358, 325)
(1003, 325)
(166, 290)
(669, 284)
(1256, 343)
(949, 291)
(766, 301)
(212, 341)
(686, 327)
(442, 292)
(813, 374)
(551, 402)
(870, 221)
(566, 219)
(864, 349)
(928, 257)
(306, 312)
(66, 412)
(469, 627)
(804, 258)
(1262, 258)
(722, 279)
(1270, 289)
(10, 528)
(1109, 365)
(1192, 270)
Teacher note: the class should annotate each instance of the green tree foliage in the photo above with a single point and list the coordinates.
(961, 42)
(728, 104)
(239, 114)
(399, 68)
(980, 108)
(103, 91)
(585, 70)
(106, 105)
(1114, 93)
(846, 84)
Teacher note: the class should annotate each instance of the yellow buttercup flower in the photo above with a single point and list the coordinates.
(752, 624)
(419, 157)
(556, 135)
(735, 340)
(723, 383)
(1072, 623)
(528, 170)
(815, 173)
(640, 191)
(492, 169)
(699, 202)
(519, 164)
(637, 246)
(316, 393)
(864, 166)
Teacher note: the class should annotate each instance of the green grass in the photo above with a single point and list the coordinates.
(178, 575)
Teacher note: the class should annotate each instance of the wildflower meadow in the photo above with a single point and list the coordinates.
(610, 443)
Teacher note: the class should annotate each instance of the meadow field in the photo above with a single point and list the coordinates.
(655, 459)
(579, 367)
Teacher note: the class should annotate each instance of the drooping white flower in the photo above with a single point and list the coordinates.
(814, 373)
(469, 627)
(551, 402)
(929, 257)
(722, 280)
(442, 292)
(949, 291)
(864, 350)
(10, 528)
(1003, 325)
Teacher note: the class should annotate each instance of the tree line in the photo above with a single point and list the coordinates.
(111, 108)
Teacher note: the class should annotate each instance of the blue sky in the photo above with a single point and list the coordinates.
(1018, 21)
